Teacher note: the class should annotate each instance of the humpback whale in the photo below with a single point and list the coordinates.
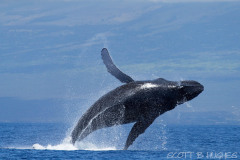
(139, 102)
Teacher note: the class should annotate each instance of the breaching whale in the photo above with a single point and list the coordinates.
(139, 102)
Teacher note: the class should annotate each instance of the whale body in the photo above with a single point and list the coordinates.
(139, 102)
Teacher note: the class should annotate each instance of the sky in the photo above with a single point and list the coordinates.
(51, 69)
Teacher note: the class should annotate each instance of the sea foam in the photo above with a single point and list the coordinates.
(68, 146)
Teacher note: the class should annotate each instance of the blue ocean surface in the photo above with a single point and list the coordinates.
(50, 141)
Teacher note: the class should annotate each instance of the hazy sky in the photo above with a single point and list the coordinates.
(50, 64)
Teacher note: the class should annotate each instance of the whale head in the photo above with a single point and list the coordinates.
(189, 90)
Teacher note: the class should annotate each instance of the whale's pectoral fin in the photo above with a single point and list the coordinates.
(107, 60)
(138, 128)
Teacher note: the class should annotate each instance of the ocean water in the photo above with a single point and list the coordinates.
(51, 141)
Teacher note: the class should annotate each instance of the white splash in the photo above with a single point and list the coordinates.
(68, 146)
(65, 145)
(188, 105)
(148, 85)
